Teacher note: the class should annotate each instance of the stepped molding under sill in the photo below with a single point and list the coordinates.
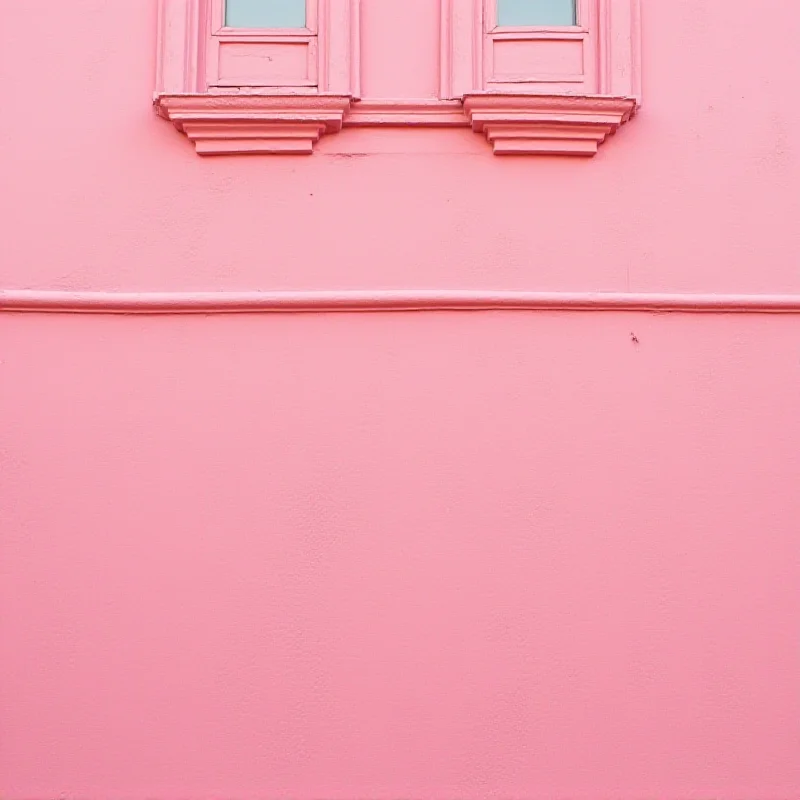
(514, 124)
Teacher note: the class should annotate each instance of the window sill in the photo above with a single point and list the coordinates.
(251, 123)
(514, 124)
(518, 124)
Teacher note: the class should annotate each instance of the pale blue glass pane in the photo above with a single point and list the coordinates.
(536, 12)
(265, 13)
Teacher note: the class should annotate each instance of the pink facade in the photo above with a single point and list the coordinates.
(503, 503)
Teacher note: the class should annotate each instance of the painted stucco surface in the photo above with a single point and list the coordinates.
(439, 555)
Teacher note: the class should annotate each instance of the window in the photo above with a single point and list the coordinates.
(264, 43)
(265, 13)
(544, 76)
(534, 45)
(540, 13)
(272, 76)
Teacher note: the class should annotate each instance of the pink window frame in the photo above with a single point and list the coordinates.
(585, 32)
(221, 34)
(610, 28)
(550, 117)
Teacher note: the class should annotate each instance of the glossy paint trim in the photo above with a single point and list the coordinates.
(387, 300)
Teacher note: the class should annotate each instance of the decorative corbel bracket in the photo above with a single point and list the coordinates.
(224, 124)
(547, 124)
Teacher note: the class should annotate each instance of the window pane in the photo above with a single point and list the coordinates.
(265, 13)
(536, 12)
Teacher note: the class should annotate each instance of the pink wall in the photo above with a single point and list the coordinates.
(423, 555)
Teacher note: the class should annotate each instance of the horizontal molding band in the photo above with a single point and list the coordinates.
(25, 300)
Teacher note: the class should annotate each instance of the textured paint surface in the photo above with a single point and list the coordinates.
(391, 69)
(442, 555)
(536, 12)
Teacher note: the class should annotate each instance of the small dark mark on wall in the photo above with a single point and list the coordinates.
(634, 338)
